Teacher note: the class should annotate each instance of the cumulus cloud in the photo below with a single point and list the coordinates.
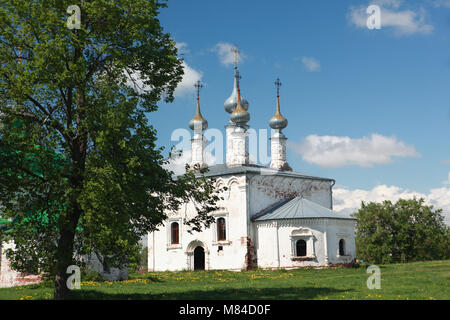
(134, 79)
(332, 151)
(190, 77)
(311, 64)
(225, 54)
(186, 86)
(401, 21)
(182, 47)
(442, 3)
(347, 201)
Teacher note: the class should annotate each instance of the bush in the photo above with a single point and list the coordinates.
(88, 274)
(402, 232)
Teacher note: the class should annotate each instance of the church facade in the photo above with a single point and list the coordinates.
(270, 217)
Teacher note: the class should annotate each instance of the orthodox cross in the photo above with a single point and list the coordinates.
(198, 85)
(236, 53)
(278, 85)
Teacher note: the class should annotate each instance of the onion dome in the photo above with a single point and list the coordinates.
(278, 121)
(231, 103)
(198, 122)
(239, 115)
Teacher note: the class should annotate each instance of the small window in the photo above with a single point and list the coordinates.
(342, 247)
(301, 248)
(221, 231)
(175, 239)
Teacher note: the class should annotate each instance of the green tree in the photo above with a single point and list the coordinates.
(79, 168)
(402, 232)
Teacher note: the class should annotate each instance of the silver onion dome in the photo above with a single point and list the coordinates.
(278, 121)
(231, 103)
(240, 115)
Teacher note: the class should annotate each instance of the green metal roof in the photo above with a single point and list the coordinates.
(297, 208)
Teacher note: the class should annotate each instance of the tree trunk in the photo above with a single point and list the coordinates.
(65, 250)
(65, 253)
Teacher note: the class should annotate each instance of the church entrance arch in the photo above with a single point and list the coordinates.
(197, 256)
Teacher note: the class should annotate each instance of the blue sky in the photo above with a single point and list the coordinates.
(368, 108)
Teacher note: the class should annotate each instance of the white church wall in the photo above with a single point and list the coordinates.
(341, 229)
(276, 242)
(164, 256)
(282, 234)
(266, 190)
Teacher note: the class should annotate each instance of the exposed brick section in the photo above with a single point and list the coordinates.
(11, 278)
(250, 258)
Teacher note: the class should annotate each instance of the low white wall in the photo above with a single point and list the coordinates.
(276, 242)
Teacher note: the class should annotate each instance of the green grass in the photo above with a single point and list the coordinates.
(419, 280)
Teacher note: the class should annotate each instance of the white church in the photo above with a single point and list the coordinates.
(271, 217)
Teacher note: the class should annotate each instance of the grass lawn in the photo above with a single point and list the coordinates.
(419, 280)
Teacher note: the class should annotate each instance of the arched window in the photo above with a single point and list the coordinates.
(175, 238)
(342, 247)
(221, 231)
(301, 248)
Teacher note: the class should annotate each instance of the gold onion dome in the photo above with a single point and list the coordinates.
(198, 122)
(278, 121)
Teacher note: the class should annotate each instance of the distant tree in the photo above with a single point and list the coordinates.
(79, 168)
(402, 232)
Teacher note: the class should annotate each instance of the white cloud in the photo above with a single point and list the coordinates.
(332, 151)
(134, 80)
(311, 64)
(347, 201)
(442, 3)
(225, 54)
(186, 86)
(190, 77)
(403, 22)
(182, 47)
(178, 164)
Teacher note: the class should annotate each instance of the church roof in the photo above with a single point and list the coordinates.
(297, 208)
(223, 169)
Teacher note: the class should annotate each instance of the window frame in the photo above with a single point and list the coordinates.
(171, 245)
(221, 229)
(214, 229)
(306, 235)
(172, 233)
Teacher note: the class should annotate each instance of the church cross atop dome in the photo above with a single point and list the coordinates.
(236, 53)
(278, 85)
(198, 85)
